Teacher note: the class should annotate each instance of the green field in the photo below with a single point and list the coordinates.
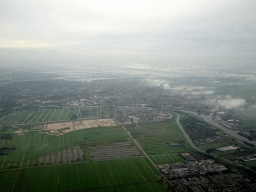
(153, 137)
(92, 112)
(34, 144)
(132, 174)
(50, 115)
(167, 158)
(22, 169)
(250, 123)
(227, 141)
(250, 163)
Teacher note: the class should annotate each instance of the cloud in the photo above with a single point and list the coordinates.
(158, 83)
(184, 90)
(202, 92)
(164, 32)
(136, 66)
(228, 97)
(22, 44)
(232, 103)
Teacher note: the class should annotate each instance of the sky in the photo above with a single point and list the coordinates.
(130, 33)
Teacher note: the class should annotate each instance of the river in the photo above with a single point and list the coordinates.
(233, 133)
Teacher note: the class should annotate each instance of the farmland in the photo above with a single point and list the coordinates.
(153, 137)
(49, 115)
(90, 155)
(34, 148)
(113, 151)
(166, 158)
(131, 174)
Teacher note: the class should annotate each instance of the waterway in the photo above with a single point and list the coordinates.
(233, 133)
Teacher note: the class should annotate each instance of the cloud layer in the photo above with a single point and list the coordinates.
(231, 103)
(123, 32)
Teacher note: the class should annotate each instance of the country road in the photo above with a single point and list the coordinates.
(138, 145)
(187, 137)
(200, 150)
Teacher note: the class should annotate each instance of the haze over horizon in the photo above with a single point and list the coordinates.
(133, 34)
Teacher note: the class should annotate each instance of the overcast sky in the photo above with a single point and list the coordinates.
(128, 33)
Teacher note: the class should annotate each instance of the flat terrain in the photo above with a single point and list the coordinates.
(114, 150)
(33, 144)
(154, 137)
(132, 174)
(166, 158)
(49, 115)
(96, 155)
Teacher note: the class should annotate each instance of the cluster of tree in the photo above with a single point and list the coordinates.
(6, 127)
(7, 103)
(73, 117)
(5, 150)
(197, 129)
(253, 133)
(87, 112)
(210, 150)
(6, 136)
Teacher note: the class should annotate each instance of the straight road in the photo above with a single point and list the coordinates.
(138, 145)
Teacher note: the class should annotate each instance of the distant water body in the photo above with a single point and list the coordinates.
(233, 133)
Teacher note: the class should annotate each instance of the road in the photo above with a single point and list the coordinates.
(200, 150)
(232, 133)
(187, 137)
(189, 140)
(138, 145)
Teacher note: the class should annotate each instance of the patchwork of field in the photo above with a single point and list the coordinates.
(62, 128)
(63, 156)
(167, 158)
(250, 163)
(32, 145)
(66, 127)
(114, 151)
(132, 174)
(87, 156)
(154, 137)
(49, 115)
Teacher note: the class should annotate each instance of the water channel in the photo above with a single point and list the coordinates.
(233, 133)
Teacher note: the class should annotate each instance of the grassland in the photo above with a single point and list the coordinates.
(215, 145)
(153, 137)
(33, 144)
(250, 123)
(132, 174)
(166, 158)
(250, 163)
(24, 170)
(49, 115)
